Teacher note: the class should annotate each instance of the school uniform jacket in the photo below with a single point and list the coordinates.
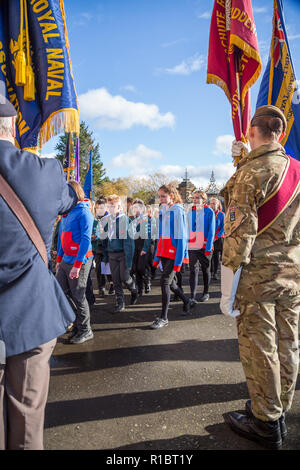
(203, 221)
(220, 219)
(33, 307)
(75, 234)
(172, 236)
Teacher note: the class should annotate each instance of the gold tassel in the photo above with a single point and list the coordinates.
(20, 68)
(21, 59)
(29, 88)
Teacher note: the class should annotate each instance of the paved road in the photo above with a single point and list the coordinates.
(133, 388)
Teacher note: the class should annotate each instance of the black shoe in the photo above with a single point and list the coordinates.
(147, 289)
(102, 292)
(134, 297)
(159, 323)
(282, 425)
(265, 433)
(119, 308)
(82, 337)
(187, 307)
(73, 333)
(204, 298)
(111, 289)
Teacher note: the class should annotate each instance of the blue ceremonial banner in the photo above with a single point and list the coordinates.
(279, 86)
(36, 71)
(88, 182)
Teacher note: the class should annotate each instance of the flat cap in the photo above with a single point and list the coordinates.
(270, 110)
(6, 108)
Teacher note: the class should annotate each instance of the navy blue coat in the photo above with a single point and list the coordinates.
(33, 307)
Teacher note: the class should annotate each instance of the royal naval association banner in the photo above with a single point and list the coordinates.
(279, 86)
(234, 62)
(35, 70)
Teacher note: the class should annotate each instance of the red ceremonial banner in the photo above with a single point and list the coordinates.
(234, 62)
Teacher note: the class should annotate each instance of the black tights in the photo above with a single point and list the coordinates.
(204, 260)
(168, 283)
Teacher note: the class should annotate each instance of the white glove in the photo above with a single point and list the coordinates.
(2, 352)
(237, 147)
(229, 283)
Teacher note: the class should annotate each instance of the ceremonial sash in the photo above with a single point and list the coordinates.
(281, 198)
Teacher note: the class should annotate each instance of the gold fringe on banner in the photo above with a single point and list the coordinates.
(63, 120)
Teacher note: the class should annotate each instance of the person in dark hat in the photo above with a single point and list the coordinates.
(261, 255)
(34, 311)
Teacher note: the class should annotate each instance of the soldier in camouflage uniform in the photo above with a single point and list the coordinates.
(268, 293)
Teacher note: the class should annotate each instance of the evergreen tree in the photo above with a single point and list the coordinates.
(86, 143)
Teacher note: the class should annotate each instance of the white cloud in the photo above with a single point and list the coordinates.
(187, 66)
(115, 112)
(138, 161)
(260, 9)
(129, 88)
(205, 16)
(293, 36)
(223, 145)
(48, 155)
(174, 43)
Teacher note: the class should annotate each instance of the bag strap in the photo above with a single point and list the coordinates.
(20, 211)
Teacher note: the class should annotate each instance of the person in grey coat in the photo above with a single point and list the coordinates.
(33, 308)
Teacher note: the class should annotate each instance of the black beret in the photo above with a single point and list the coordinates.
(270, 110)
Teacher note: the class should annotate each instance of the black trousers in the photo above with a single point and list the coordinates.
(198, 257)
(217, 255)
(168, 283)
(140, 267)
(120, 274)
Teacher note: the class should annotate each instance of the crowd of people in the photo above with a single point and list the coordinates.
(125, 241)
(260, 264)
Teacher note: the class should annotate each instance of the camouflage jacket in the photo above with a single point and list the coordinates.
(273, 255)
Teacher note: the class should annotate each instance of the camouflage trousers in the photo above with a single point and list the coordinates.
(268, 344)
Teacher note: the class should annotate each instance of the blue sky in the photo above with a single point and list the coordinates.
(140, 75)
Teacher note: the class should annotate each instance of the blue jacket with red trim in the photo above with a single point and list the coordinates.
(75, 232)
(203, 221)
(220, 231)
(172, 238)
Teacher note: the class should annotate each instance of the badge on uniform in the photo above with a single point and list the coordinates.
(232, 214)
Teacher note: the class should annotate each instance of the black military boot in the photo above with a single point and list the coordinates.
(266, 433)
(282, 425)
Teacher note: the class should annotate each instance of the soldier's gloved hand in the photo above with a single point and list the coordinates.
(238, 147)
(229, 283)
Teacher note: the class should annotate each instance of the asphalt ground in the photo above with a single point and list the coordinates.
(132, 388)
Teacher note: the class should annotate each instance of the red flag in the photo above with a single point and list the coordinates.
(234, 62)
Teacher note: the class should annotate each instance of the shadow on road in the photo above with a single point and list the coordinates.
(188, 350)
(130, 404)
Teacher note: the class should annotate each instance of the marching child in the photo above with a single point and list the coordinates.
(171, 249)
(118, 249)
(142, 242)
(216, 206)
(102, 270)
(201, 221)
